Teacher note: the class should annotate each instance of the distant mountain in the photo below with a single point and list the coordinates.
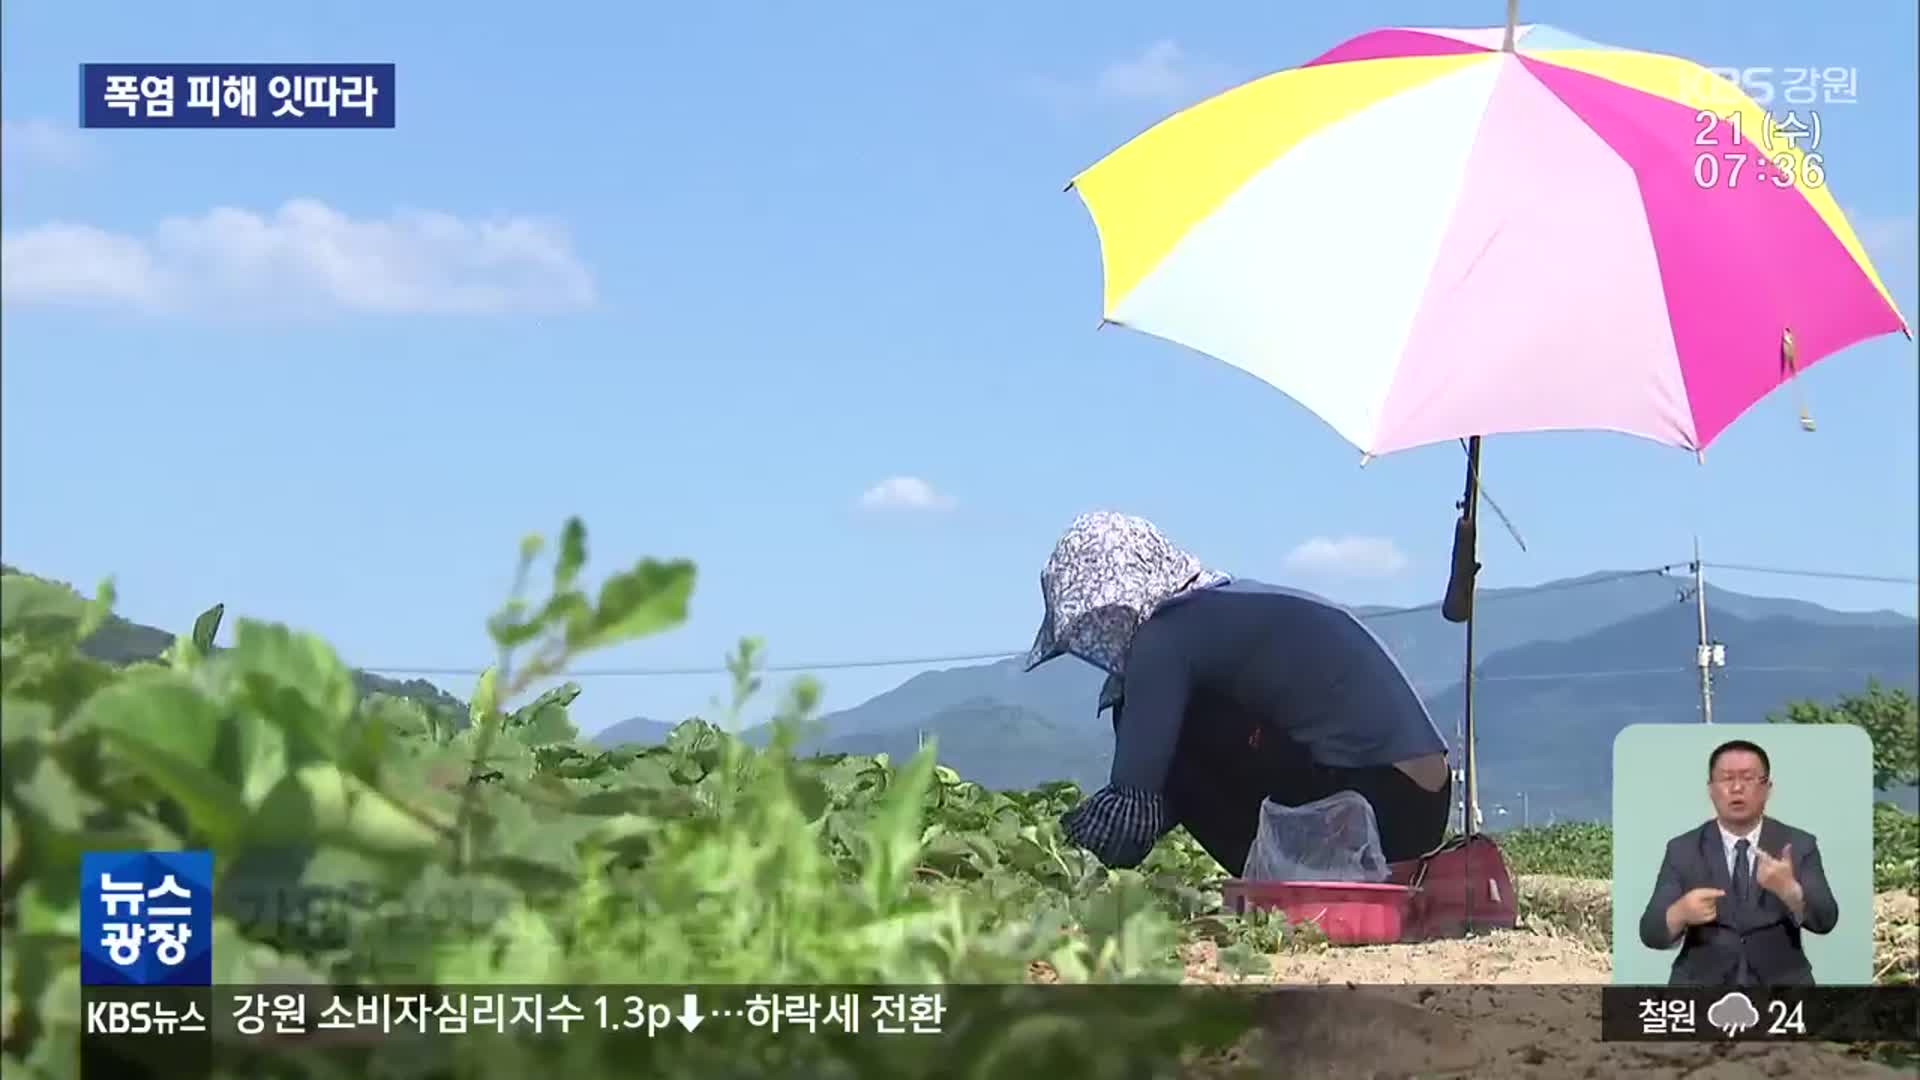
(1427, 646)
(1064, 690)
(1587, 660)
(1548, 730)
(1431, 649)
(122, 641)
(1001, 746)
(1578, 663)
(637, 730)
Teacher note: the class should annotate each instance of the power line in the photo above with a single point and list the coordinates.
(1559, 676)
(1827, 575)
(1534, 590)
(984, 657)
(1553, 676)
(1615, 673)
(664, 672)
(1489, 597)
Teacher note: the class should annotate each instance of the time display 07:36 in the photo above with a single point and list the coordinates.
(1715, 167)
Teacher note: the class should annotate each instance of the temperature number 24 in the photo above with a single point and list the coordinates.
(1785, 1019)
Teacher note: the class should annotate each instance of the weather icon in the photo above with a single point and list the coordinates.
(1733, 1014)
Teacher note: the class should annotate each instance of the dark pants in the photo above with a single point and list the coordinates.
(1225, 768)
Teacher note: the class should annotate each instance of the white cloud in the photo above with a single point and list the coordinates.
(303, 258)
(1348, 556)
(1162, 74)
(42, 142)
(54, 262)
(905, 493)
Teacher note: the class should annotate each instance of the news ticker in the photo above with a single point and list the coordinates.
(291, 1012)
(287, 1015)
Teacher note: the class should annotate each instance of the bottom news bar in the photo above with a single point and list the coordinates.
(293, 1013)
(906, 1033)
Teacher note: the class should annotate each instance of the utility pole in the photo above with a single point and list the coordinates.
(1708, 653)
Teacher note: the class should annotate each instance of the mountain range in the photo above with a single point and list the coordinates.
(122, 641)
(1561, 669)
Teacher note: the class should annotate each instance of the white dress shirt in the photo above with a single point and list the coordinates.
(1752, 837)
(1727, 842)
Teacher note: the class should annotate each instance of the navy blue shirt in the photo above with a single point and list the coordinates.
(1306, 667)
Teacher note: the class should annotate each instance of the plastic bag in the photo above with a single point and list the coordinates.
(1330, 839)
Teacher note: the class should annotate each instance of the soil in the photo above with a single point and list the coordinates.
(1513, 956)
(1521, 1003)
(1495, 1031)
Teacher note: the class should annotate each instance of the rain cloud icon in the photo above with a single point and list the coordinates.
(1733, 1014)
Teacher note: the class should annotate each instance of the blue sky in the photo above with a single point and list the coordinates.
(707, 275)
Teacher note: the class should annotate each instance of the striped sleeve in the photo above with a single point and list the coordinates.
(1119, 826)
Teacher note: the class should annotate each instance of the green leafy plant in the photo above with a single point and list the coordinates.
(1896, 848)
(1890, 717)
(368, 839)
(371, 839)
(1585, 849)
(1566, 849)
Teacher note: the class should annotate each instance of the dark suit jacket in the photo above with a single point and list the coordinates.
(1768, 936)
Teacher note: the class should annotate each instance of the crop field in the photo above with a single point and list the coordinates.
(375, 841)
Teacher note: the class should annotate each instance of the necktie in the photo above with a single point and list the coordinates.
(1740, 891)
(1741, 887)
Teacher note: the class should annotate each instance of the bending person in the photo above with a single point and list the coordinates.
(1226, 693)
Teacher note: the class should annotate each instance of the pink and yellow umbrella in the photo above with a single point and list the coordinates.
(1422, 237)
(1430, 234)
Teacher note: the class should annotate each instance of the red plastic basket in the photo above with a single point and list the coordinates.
(1348, 912)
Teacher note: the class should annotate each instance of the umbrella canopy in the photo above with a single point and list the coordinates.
(1421, 237)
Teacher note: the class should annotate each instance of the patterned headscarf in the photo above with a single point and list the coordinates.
(1107, 575)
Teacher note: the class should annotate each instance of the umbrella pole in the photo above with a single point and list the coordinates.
(1460, 593)
(1458, 607)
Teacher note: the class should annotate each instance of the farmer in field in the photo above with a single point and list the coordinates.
(1229, 692)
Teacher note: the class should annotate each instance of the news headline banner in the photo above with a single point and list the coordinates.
(183, 1030)
(178, 1032)
(1839, 1014)
(282, 96)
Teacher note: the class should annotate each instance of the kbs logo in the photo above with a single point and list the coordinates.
(115, 1017)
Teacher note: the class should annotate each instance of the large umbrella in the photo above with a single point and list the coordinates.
(1426, 235)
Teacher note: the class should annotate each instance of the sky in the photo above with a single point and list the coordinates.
(794, 291)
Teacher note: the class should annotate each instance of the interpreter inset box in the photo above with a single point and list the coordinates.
(1742, 855)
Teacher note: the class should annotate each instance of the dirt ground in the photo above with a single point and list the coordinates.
(1474, 1014)
(1514, 956)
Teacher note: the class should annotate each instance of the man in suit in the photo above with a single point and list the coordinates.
(1736, 893)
